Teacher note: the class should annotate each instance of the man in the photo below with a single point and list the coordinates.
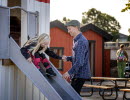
(80, 70)
(122, 58)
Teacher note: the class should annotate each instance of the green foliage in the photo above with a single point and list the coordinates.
(102, 20)
(127, 7)
(129, 30)
(115, 36)
(128, 38)
(65, 20)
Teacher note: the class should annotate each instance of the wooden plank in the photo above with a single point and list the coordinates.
(11, 82)
(47, 19)
(20, 85)
(97, 86)
(6, 68)
(42, 18)
(46, 98)
(127, 90)
(110, 78)
(36, 93)
(3, 2)
(24, 4)
(29, 90)
(7, 62)
(4, 82)
(31, 5)
(15, 82)
(119, 85)
(4, 32)
(32, 25)
(42, 97)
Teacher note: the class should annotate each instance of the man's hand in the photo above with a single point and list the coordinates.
(66, 76)
(64, 58)
(29, 59)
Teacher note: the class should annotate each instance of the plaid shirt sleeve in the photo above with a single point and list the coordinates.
(80, 51)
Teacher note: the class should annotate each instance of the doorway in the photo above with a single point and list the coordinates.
(15, 21)
(92, 56)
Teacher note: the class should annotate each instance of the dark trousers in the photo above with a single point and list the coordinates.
(77, 84)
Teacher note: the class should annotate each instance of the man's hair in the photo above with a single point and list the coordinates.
(122, 45)
(73, 23)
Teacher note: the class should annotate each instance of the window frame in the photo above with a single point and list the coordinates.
(62, 63)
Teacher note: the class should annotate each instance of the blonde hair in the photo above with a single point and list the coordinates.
(41, 39)
(30, 41)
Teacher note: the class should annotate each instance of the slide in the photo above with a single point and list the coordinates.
(54, 88)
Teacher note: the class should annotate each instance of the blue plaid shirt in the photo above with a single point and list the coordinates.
(80, 58)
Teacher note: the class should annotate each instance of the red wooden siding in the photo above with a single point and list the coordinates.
(107, 62)
(60, 38)
(90, 35)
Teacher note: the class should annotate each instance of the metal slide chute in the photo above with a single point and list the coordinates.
(55, 88)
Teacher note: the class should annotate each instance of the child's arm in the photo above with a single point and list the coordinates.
(25, 51)
(69, 58)
(52, 54)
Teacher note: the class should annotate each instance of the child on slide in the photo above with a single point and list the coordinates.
(34, 51)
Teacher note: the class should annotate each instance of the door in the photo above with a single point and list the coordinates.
(92, 56)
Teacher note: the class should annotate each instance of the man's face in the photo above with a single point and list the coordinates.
(72, 30)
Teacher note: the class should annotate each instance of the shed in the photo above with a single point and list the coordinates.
(61, 42)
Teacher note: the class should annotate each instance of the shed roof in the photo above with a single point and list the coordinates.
(58, 24)
(98, 30)
(85, 28)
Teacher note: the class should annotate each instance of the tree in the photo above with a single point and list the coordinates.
(65, 20)
(127, 7)
(128, 38)
(103, 21)
(129, 30)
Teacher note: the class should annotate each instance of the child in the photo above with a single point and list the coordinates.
(34, 51)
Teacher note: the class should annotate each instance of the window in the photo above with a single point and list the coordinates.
(56, 62)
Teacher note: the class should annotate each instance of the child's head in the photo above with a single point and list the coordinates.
(43, 41)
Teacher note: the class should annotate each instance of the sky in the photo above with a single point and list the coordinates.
(73, 9)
